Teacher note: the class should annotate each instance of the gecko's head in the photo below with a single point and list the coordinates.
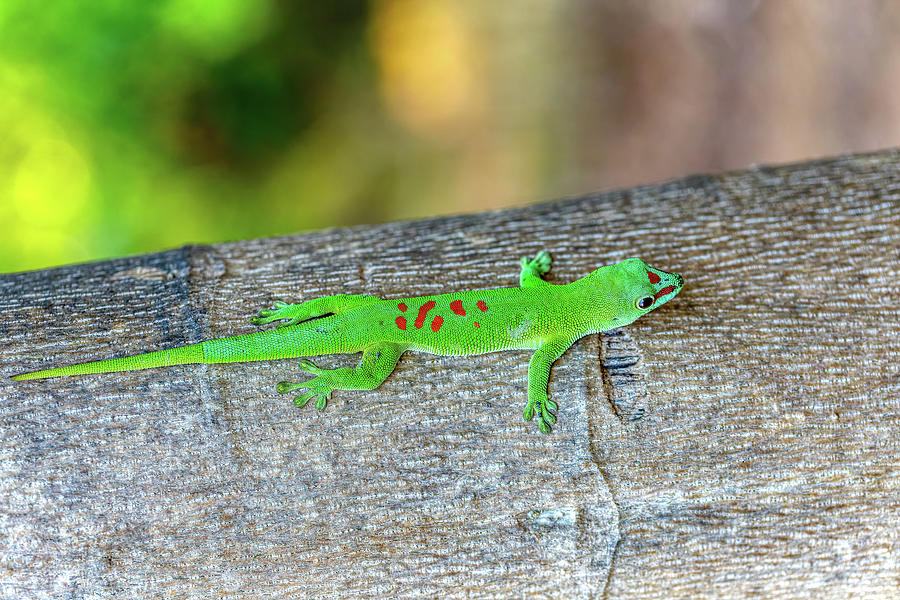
(644, 288)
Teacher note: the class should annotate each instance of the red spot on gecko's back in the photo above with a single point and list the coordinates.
(457, 308)
(401, 322)
(481, 305)
(653, 277)
(476, 324)
(436, 323)
(402, 307)
(664, 291)
(423, 310)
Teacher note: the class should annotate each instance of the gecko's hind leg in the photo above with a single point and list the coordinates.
(291, 314)
(378, 361)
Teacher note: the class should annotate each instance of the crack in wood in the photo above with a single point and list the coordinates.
(623, 379)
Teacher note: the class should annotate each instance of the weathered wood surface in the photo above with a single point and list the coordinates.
(742, 441)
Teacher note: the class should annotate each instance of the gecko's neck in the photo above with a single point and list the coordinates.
(599, 295)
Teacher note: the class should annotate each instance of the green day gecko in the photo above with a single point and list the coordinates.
(538, 315)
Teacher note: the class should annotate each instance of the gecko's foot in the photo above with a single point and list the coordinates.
(544, 410)
(317, 387)
(281, 311)
(540, 262)
(314, 389)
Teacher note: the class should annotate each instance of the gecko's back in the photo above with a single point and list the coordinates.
(463, 323)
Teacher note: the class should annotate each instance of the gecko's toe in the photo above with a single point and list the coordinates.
(546, 418)
(283, 387)
(528, 413)
(279, 312)
(310, 367)
(301, 400)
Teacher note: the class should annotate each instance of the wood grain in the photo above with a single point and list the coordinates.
(742, 441)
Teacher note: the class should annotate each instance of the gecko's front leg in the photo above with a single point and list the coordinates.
(538, 378)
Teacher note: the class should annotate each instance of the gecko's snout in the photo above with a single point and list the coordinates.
(666, 285)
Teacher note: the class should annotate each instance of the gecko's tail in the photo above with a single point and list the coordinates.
(183, 355)
(310, 338)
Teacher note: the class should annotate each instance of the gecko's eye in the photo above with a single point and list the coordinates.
(644, 303)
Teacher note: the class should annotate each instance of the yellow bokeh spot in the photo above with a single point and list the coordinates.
(429, 65)
(51, 181)
(45, 177)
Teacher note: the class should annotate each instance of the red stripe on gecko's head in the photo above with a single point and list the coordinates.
(653, 277)
(666, 290)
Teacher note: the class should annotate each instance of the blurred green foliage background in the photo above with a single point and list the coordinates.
(128, 127)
